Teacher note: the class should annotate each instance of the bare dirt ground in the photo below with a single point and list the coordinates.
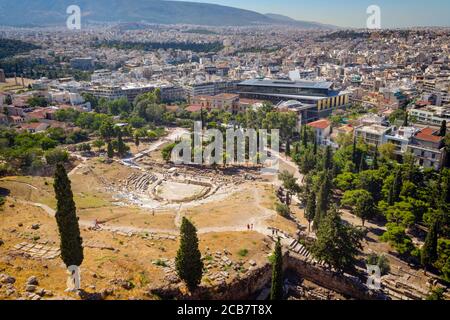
(132, 244)
(137, 242)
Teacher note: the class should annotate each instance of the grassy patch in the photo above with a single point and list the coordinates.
(243, 252)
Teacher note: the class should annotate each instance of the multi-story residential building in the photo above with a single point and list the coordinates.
(110, 92)
(373, 134)
(322, 129)
(428, 148)
(400, 138)
(432, 115)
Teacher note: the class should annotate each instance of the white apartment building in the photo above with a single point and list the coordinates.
(432, 115)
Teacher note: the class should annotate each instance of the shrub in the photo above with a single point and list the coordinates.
(243, 252)
(283, 210)
(55, 156)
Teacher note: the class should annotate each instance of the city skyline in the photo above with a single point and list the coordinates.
(351, 13)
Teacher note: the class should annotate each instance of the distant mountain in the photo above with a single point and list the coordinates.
(281, 19)
(53, 13)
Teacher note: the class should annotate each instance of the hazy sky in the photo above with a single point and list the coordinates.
(352, 13)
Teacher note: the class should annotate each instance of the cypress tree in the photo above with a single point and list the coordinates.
(276, 292)
(429, 250)
(362, 163)
(397, 185)
(188, 261)
(355, 154)
(66, 218)
(296, 149)
(288, 147)
(8, 100)
(322, 203)
(121, 148)
(136, 141)
(110, 150)
(327, 163)
(443, 130)
(405, 121)
(310, 209)
(305, 137)
(315, 146)
(375, 159)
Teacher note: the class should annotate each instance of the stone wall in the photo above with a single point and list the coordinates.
(249, 285)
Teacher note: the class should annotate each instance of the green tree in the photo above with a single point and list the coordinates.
(283, 210)
(328, 159)
(310, 209)
(99, 143)
(122, 148)
(55, 156)
(443, 130)
(8, 100)
(107, 129)
(396, 188)
(397, 237)
(66, 218)
(276, 292)
(110, 150)
(323, 200)
(288, 147)
(289, 183)
(429, 250)
(362, 203)
(136, 141)
(375, 159)
(167, 151)
(188, 261)
(337, 243)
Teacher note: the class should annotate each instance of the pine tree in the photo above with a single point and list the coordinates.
(443, 130)
(337, 243)
(429, 251)
(110, 150)
(66, 218)
(276, 292)
(188, 261)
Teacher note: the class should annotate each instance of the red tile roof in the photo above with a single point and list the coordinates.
(320, 124)
(194, 108)
(426, 134)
